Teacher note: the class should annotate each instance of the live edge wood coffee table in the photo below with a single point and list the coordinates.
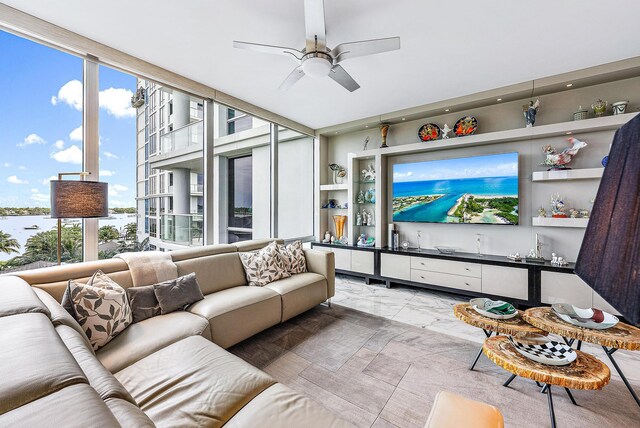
(586, 372)
(621, 336)
(515, 326)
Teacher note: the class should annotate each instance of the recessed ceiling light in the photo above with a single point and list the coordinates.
(569, 85)
(366, 126)
(499, 99)
(568, 132)
(446, 109)
(336, 132)
(404, 118)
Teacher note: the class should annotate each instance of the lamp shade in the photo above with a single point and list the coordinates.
(609, 259)
(79, 199)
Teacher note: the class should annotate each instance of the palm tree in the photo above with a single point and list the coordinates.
(130, 230)
(108, 233)
(8, 244)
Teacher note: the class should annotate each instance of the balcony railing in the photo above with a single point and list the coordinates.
(182, 229)
(137, 99)
(182, 138)
(197, 188)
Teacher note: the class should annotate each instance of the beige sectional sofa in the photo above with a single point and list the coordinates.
(169, 370)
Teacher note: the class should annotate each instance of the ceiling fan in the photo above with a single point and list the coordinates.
(316, 59)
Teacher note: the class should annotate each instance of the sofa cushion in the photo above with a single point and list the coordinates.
(216, 272)
(143, 302)
(300, 293)
(76, 406)
(280, 406)
(101, 308)
(101, 379)
(35, 362)
(239, 312)
(148, 336)
(177, 294)
(127, 414)
(264, 266)
(255, 244)
(17, 297)
(213, 384)
(293, 257)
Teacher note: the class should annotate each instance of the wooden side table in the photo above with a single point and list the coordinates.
(586, 372)
(622, 336)
(516, 326)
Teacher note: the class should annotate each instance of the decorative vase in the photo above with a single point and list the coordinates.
(620, 107)
(600, 108)
(384, 128)
(339, 221)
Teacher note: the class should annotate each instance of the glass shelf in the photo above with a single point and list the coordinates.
(364, 203)
(365, 182)
(364, 225)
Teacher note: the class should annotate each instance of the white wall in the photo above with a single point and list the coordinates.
(261, 183)
(295, 188)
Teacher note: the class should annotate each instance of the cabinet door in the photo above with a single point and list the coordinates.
(343, 258)
(362, 261)
(565, 288)
(505, 281)
(395, 266)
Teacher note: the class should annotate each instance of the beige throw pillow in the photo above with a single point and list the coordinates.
(293, 257)
(101, 308)
(264, 266)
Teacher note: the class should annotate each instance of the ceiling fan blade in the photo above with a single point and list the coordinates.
(366, 47)
(268, 49)
(314, 25)
(341, 76)
(292, 78)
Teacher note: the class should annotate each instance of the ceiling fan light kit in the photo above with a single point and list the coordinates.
(316, 60)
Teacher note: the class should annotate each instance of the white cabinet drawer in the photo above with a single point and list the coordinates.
(419, 263)
(394, 266)
(343, 258)
(362, 261)
(505, 281)
(453, 268)
(466, 283)
(565, 288)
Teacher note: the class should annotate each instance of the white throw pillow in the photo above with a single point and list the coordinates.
(293, 257)
(101, 308)
(264, 266)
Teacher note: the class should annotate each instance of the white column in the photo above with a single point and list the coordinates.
(91, 138)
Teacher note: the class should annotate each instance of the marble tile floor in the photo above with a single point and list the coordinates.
(434, 311)
(376, 371)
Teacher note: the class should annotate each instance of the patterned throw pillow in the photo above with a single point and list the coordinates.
(293, 257)
(265, 266)
(101, 308)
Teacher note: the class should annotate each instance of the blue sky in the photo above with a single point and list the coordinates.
(41, 118)
(501, 165)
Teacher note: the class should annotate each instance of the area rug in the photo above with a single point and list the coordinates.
(377, 372)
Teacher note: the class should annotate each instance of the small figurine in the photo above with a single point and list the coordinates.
(444, 131)
(327, 237)
(360, 197)
(369, 174)
(333, 239)
(358, 219)
(557, 207)
(600, 108)
(362, 240)
(561, 160)
(557, 260)
(364, 217)
(338, 172)
(515, 257)
(370, 196)
(542, 212)
(384, 128)
(366, 143)
(332, 203)
(530, 112)
(562, 262)
(574, 213)
(554, 259)
(619, 107)
(532, 254)
(584, 213)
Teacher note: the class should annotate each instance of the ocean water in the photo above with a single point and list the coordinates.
(436, 211)
(14, 225)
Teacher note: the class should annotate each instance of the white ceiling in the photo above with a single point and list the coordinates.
(449, 48)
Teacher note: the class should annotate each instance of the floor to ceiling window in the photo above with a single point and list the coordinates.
(41, 135)
(240, 199)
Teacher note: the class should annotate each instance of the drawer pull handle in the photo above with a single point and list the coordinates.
(466, 283)
(467, 269)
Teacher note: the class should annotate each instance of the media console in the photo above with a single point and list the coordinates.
(466, 274)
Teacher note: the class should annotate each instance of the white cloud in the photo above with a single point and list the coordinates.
(109, 155)
(45, 182)
(70, 93)
(115, 203)
(402, 175)
(71, 155)
(7, 164)
(117, 102)
(32, 139)
(38, 197)
(15, 180)
(76, 134)
(106, 173)
(22, 168)
(116, 189)
(59, 144)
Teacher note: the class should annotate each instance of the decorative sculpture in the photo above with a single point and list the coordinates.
(339, 221)
(600, 108)
(384, 128)
(327, 237)
(530, 112)
(445, 131)
(366, 143)
(360, 197)
(560, 160)
(338, 173)
(542, 212)
(557, 207)
(358, 219)
(369, 174)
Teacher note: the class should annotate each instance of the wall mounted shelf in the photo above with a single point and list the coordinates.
(568, 174)
(560, 222)
(333, 187)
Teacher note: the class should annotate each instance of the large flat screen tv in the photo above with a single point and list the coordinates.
(479, 189)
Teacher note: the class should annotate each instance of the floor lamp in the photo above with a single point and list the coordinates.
(77, 199)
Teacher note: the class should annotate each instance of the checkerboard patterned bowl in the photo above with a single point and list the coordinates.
(544, 351)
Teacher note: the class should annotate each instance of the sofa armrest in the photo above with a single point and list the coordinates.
(323, 263)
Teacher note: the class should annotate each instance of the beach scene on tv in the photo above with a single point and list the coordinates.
(479, 189)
